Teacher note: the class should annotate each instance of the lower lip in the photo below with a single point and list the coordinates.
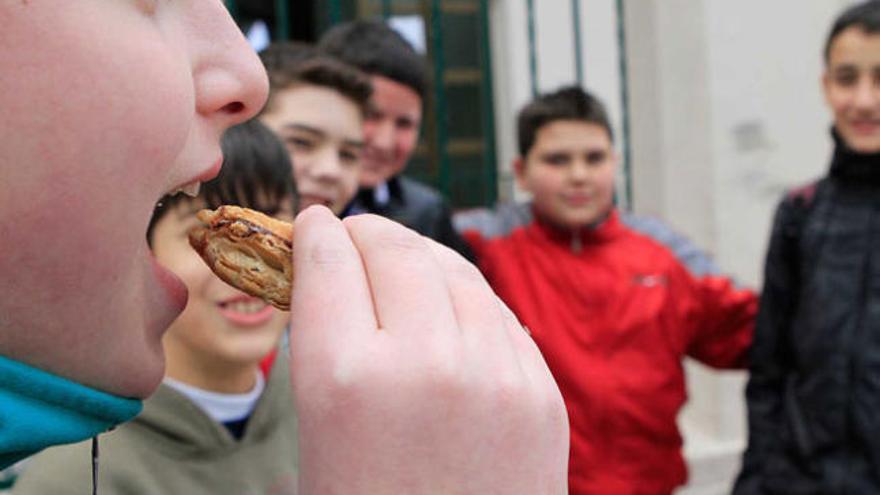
(305, 201)
(175, 290)
(259, 318)
(211, 172)
(372, 162)
(578, 201)
(864, 128)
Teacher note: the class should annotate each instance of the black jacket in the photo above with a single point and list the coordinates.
(418, 207)
(814, 391)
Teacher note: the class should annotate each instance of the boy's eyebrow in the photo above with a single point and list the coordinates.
(358, 143)
(303, 127)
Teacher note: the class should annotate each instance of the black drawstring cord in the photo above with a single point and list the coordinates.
(95, 465)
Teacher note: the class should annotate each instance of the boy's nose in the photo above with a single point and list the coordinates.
(867, 95)
(326, 165)
(230, 82)
(579, 171)
(381, 136)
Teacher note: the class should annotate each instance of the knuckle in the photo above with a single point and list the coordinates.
(466, 272)
(327, 257)
(390, 236)
(402, 242)
(445, 374)
(553, 411)
(509, 391)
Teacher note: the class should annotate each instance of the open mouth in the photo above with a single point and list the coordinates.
(244, 306)
(306, 200)
(175, 290)
(191, 189)
(246, 311)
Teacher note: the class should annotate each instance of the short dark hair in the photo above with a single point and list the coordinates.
(566, 103)
(377, 49)
(864, 15)
(256, 174)
(291, 63)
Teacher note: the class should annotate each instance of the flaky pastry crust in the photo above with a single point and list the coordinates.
(248, 250)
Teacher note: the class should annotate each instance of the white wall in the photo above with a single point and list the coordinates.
(726, 113)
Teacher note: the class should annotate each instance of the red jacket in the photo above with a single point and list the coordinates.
(614, 312)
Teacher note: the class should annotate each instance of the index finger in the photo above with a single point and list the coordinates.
(331, 297)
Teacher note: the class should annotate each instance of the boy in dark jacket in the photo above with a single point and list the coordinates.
(814, 391)
(613, 310)
(391, 129)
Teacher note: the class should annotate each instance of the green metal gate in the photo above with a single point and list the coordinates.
(456, 153)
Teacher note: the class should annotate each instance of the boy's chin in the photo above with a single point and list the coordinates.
(581, 221)
(135, 378)
(143, 382)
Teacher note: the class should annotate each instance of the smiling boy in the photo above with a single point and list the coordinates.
(391, 128)
(613, 311)
(813, 393)
(317, 105)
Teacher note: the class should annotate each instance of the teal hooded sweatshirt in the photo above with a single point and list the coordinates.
(39, 409)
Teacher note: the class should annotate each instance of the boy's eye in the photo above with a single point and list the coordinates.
(349, 157)
(845, 77)
(404, 123)
(298, 143)
(372, 114)
(556, 159)
(596, 157)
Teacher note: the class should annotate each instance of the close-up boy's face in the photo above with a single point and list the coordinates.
(391, 130)
(107, 106)
(323, 131)
(852, 88)
(570, 173)
(221, 327)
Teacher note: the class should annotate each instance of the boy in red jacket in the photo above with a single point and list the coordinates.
(613, 310)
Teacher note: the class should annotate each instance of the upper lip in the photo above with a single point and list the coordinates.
(207, 175)
(319, 197)
(577, 197)
(238, 298)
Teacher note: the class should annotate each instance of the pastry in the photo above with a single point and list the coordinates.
(248, 250)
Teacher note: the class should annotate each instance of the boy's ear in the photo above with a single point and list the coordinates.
(825, 81)
(519, 171)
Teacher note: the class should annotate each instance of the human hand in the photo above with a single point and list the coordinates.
(409, 374)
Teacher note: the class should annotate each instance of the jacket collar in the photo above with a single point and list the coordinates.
(39, 409)
(848, 165)
(605, 229)
(185, 429)
(367, 196)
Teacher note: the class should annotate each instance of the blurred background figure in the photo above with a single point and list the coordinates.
(391, 129)
(316, 106)
(613, 309)
(812, 394)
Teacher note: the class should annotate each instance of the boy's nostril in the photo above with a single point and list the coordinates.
(234, 107)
